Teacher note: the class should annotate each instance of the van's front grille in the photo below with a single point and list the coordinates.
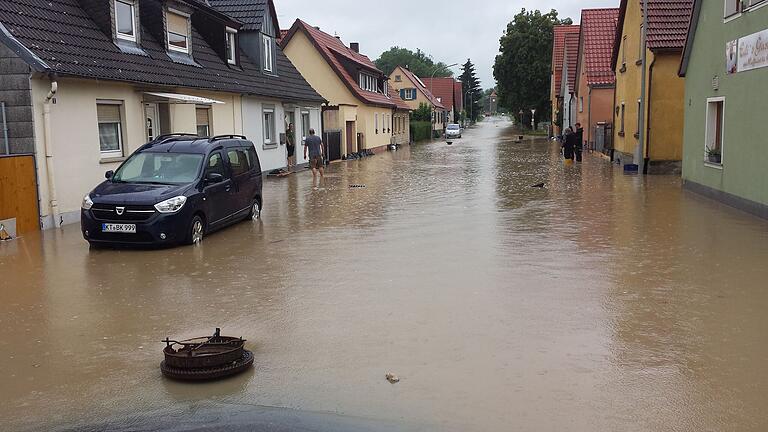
(130, 213)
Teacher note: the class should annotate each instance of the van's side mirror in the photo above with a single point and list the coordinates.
(109, 174)
(213, 178)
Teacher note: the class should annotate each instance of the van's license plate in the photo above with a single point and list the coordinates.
(118, 228)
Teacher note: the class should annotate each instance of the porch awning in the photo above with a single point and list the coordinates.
(184, 99)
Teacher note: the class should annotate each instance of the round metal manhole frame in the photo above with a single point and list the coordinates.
(205, 374)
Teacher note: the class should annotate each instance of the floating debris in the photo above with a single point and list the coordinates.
(538, 185)
(392, 378)
(357, 186)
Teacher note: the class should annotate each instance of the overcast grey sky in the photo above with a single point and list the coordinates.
(449, 30)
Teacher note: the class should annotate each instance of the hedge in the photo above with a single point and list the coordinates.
(420, 130)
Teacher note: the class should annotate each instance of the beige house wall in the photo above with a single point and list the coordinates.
(312, 65)
(406, 83)
(76, 161)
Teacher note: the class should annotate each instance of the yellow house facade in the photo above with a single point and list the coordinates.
(662, 147)
(360, 106)
(414, 92)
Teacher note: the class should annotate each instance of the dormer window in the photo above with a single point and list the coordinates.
(178, 31)
(125, 20)
(231, 46)
(267, 55)
(368, 82)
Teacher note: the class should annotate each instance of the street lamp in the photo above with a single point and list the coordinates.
(533, 123)
(471, 106)
(521, 118)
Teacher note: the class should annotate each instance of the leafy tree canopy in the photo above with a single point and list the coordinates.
(523, 66)
(418, 62)
(472, 91)
(423, 113)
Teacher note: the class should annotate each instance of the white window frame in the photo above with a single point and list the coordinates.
(120, 141)
(124, 36)
(266, 46)
(581, 103)
(368, 82)
(188, 35)
(711, 101)
(376, 122)
(269, 128)
(232, 43)
(305, 130)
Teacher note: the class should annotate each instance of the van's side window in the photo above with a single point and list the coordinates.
(238, 161)
(253, 159)
(215, 165)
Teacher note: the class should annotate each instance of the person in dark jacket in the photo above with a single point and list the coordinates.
(579, 141)
(569, 144)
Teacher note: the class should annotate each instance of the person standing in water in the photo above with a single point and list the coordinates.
(290, 146)
(314, 145)
(569, 144)
(579, 141)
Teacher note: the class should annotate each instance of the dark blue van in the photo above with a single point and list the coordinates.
(175, 190)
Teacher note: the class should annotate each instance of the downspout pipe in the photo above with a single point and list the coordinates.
(647, 159)
(53, 202)
(590, 136)
(5, 130)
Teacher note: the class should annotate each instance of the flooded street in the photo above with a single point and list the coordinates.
(601, 302)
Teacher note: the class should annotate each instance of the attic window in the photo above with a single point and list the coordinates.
(231, 46)
(178, 31)
(125, 23)
(267, 55)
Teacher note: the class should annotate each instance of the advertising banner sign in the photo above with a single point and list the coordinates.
(753, 51)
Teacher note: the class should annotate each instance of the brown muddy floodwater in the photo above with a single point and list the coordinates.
(599, 303)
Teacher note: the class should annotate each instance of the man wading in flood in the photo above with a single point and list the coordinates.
(314, 144)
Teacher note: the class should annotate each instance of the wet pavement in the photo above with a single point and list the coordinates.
(601, 302)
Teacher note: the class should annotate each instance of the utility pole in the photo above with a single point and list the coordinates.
(639, 152)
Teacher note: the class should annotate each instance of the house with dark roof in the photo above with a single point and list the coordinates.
(414, 91)
(448, 92)
(560, 33)
(96, 79)
(662, 146)
(360, 106)
(725, 65)
(594, 76)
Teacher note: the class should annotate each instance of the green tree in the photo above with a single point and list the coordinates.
(423, 113)
(472, 91)
(418, 62)
(523, 66)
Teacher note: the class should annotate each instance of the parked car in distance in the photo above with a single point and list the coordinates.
(453, 130)
(175, 190)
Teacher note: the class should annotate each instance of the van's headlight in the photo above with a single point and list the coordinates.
(171, 205)
(87, 203)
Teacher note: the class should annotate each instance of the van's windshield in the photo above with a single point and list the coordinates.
(159, 168)
(453, 127)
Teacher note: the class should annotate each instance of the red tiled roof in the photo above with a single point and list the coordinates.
(424, 90)
(598, 31)
(668, 22)
(558, 49)
(458, 94)
(572, 54)
(443, 88)
(334, 51)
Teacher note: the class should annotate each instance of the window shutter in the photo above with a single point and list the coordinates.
(402, 94)
(202, 116)
(177, 24)
(731, 7)
(263, 52)
(108, 113)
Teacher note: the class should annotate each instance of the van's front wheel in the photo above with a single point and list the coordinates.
(255, 213)
(196, 231)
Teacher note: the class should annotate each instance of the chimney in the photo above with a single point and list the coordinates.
(355, 46)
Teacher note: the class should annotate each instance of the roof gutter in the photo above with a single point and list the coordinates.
(28, 56)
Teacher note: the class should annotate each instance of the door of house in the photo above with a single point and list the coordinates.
(350, 137)
(18, 196)
(152, 121)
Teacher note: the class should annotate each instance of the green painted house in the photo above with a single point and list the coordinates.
(725, 65)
